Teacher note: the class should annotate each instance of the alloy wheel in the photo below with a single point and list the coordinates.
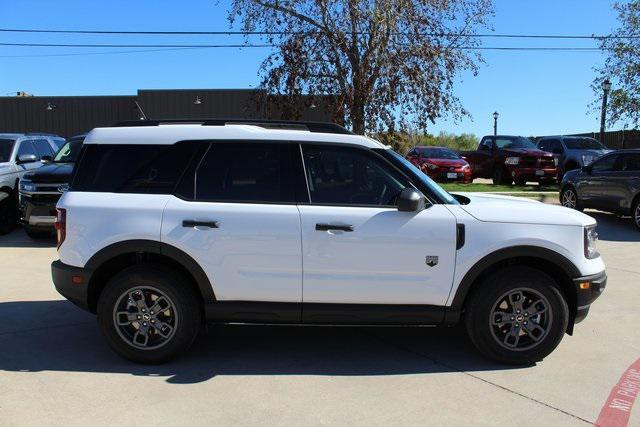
(145, 318)
(520, 319)
(636, 215)
(569, 199)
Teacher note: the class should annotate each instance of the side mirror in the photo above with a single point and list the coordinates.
(46, 159)
(411, 200)
(27, 158)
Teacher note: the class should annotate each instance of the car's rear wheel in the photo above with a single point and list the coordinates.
(149, 313)
(635, 212)
(516, 316)
(500, 177)
(569, 198)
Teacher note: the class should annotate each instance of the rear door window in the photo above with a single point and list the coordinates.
(152, 169)
(246, 172)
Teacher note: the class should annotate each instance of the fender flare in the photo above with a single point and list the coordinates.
(149, 246)
(504, 254)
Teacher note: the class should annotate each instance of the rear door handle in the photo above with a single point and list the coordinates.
(191, 223)
(327, 227)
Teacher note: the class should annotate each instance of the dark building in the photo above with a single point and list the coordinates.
(72, 115)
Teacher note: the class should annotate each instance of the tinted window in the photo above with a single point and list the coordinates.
(543, 145)
(514, 142)
(583, 144)
(43, 148)
(69, 152)
(132, 168)
(26, 147)
(631, 163)
(245, 172)
(485, 144)
(6, 146)
(438, 153)
(348, 176)
(555, 146)
(606, 164)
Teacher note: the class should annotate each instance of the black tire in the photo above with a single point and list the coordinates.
(35, 233)
(635, 212)
(529, 281)
(521, 182)
(186, 309)
(499, 177)
(8, 214)
(569, 193)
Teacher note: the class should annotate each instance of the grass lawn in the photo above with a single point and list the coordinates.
(453, 187)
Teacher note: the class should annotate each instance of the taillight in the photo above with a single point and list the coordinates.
(61, 225)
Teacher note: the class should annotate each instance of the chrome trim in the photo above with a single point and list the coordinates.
(40, 220)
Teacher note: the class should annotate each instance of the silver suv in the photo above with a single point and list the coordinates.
(20, 153)
(572, 152)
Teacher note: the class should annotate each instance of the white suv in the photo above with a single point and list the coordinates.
(168, 225)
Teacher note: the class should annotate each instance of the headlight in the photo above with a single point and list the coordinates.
(26, 186)
(586, 159)
(590, 239)
(512, 160)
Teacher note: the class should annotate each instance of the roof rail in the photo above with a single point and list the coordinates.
(321, 127)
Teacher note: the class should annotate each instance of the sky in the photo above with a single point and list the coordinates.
(535, 93)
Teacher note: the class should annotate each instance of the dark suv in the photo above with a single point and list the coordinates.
(40, 189)
(611, 183)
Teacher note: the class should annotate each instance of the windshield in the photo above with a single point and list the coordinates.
(583, 144)
(69, 152)
(438, 153)
(6, 146)
(425, 180)
(514, 142)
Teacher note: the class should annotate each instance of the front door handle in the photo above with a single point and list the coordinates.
(327, 227)
(191, 223)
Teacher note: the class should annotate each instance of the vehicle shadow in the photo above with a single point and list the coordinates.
(615, 228)
(57, 336)
(19, 239)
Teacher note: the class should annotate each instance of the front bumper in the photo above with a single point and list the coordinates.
(72, 283)
(588, 289)
(38, 211)
(532, 173)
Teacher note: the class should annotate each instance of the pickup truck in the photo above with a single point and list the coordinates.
(508, 159)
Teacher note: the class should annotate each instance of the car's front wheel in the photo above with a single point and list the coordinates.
(500, 177)
(635, 212)
(516, 316)
(149, 313)
(569, 198)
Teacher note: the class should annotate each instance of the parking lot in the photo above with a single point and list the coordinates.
(56, 369)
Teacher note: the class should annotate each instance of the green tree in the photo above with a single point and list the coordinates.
(382, 60)
(622, 66)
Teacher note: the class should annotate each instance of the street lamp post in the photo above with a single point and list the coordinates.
(495, 123)
(606, 87)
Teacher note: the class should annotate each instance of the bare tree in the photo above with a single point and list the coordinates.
(384, 61)
(622, 67)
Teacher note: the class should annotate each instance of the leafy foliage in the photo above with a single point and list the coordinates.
(622, 67)
(383, 60)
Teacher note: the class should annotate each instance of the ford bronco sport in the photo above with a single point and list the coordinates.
(168, 225)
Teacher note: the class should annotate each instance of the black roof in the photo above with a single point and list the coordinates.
(319, 127)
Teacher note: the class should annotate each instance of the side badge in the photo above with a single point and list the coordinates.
(431, 261)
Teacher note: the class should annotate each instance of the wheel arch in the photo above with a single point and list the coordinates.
(115, 257)
(561, 269)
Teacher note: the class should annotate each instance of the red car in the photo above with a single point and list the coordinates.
(441, 164)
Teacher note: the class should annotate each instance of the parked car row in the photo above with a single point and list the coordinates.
(508, 159)
(34, 170)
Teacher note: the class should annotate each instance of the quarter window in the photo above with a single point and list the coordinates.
(349, 176)
(245, 172)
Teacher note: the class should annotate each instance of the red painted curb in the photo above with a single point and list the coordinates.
(617, 409)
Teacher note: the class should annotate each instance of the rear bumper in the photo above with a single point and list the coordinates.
(592, 287)
(72, 283)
